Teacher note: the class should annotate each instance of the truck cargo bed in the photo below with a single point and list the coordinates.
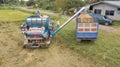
(87, 31)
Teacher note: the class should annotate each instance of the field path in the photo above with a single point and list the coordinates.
(109, 29)
(57, 55)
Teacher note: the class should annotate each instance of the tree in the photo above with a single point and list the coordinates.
(61, 4)
(65, 5)
(1, 1)
(23, 3)
(45, 4)
(74, 4)
(30, 3)
(9, 2)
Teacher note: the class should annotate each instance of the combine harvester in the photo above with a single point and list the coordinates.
(38, 31)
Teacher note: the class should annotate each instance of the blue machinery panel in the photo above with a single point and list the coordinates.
(87, 35)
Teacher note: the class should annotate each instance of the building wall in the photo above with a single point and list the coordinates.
(105, 7)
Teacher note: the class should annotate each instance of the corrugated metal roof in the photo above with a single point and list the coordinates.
(112, 3)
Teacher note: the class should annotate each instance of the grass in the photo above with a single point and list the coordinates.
(116, 24)
(105, 52)
(7, 7)
(12, 15)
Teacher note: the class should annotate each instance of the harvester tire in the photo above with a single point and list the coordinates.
(24, 46)
(45, 46)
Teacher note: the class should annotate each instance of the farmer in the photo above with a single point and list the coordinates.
(38, 13)
(77, 9)
(58, 23)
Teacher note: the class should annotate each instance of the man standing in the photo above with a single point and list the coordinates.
(58, 24)
(38, 13)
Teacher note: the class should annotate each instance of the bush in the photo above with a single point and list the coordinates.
(7, 8)
(48, 7)
(71, 10)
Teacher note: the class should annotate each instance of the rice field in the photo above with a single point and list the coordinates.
(64, 50)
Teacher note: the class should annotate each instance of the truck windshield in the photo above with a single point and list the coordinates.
(105, 17)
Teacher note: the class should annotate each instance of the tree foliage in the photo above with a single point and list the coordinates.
(66, 5)
(30, 3)
(1, 2)
(9, 2)
(45, 4)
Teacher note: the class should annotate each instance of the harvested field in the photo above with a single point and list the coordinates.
(64, 50)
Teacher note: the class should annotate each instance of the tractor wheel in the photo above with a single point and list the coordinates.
(47, 43)
(45, 46)
(24, 46)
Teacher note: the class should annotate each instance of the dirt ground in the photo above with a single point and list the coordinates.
(109, 29)
(13, 55)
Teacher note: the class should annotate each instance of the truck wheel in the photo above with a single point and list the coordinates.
(106, 24)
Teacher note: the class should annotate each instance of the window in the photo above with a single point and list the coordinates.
(97, 11)
(109, 12)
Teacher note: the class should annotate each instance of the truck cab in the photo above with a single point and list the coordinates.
(102, 19)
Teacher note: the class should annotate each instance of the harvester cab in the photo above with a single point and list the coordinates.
(38, 31)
